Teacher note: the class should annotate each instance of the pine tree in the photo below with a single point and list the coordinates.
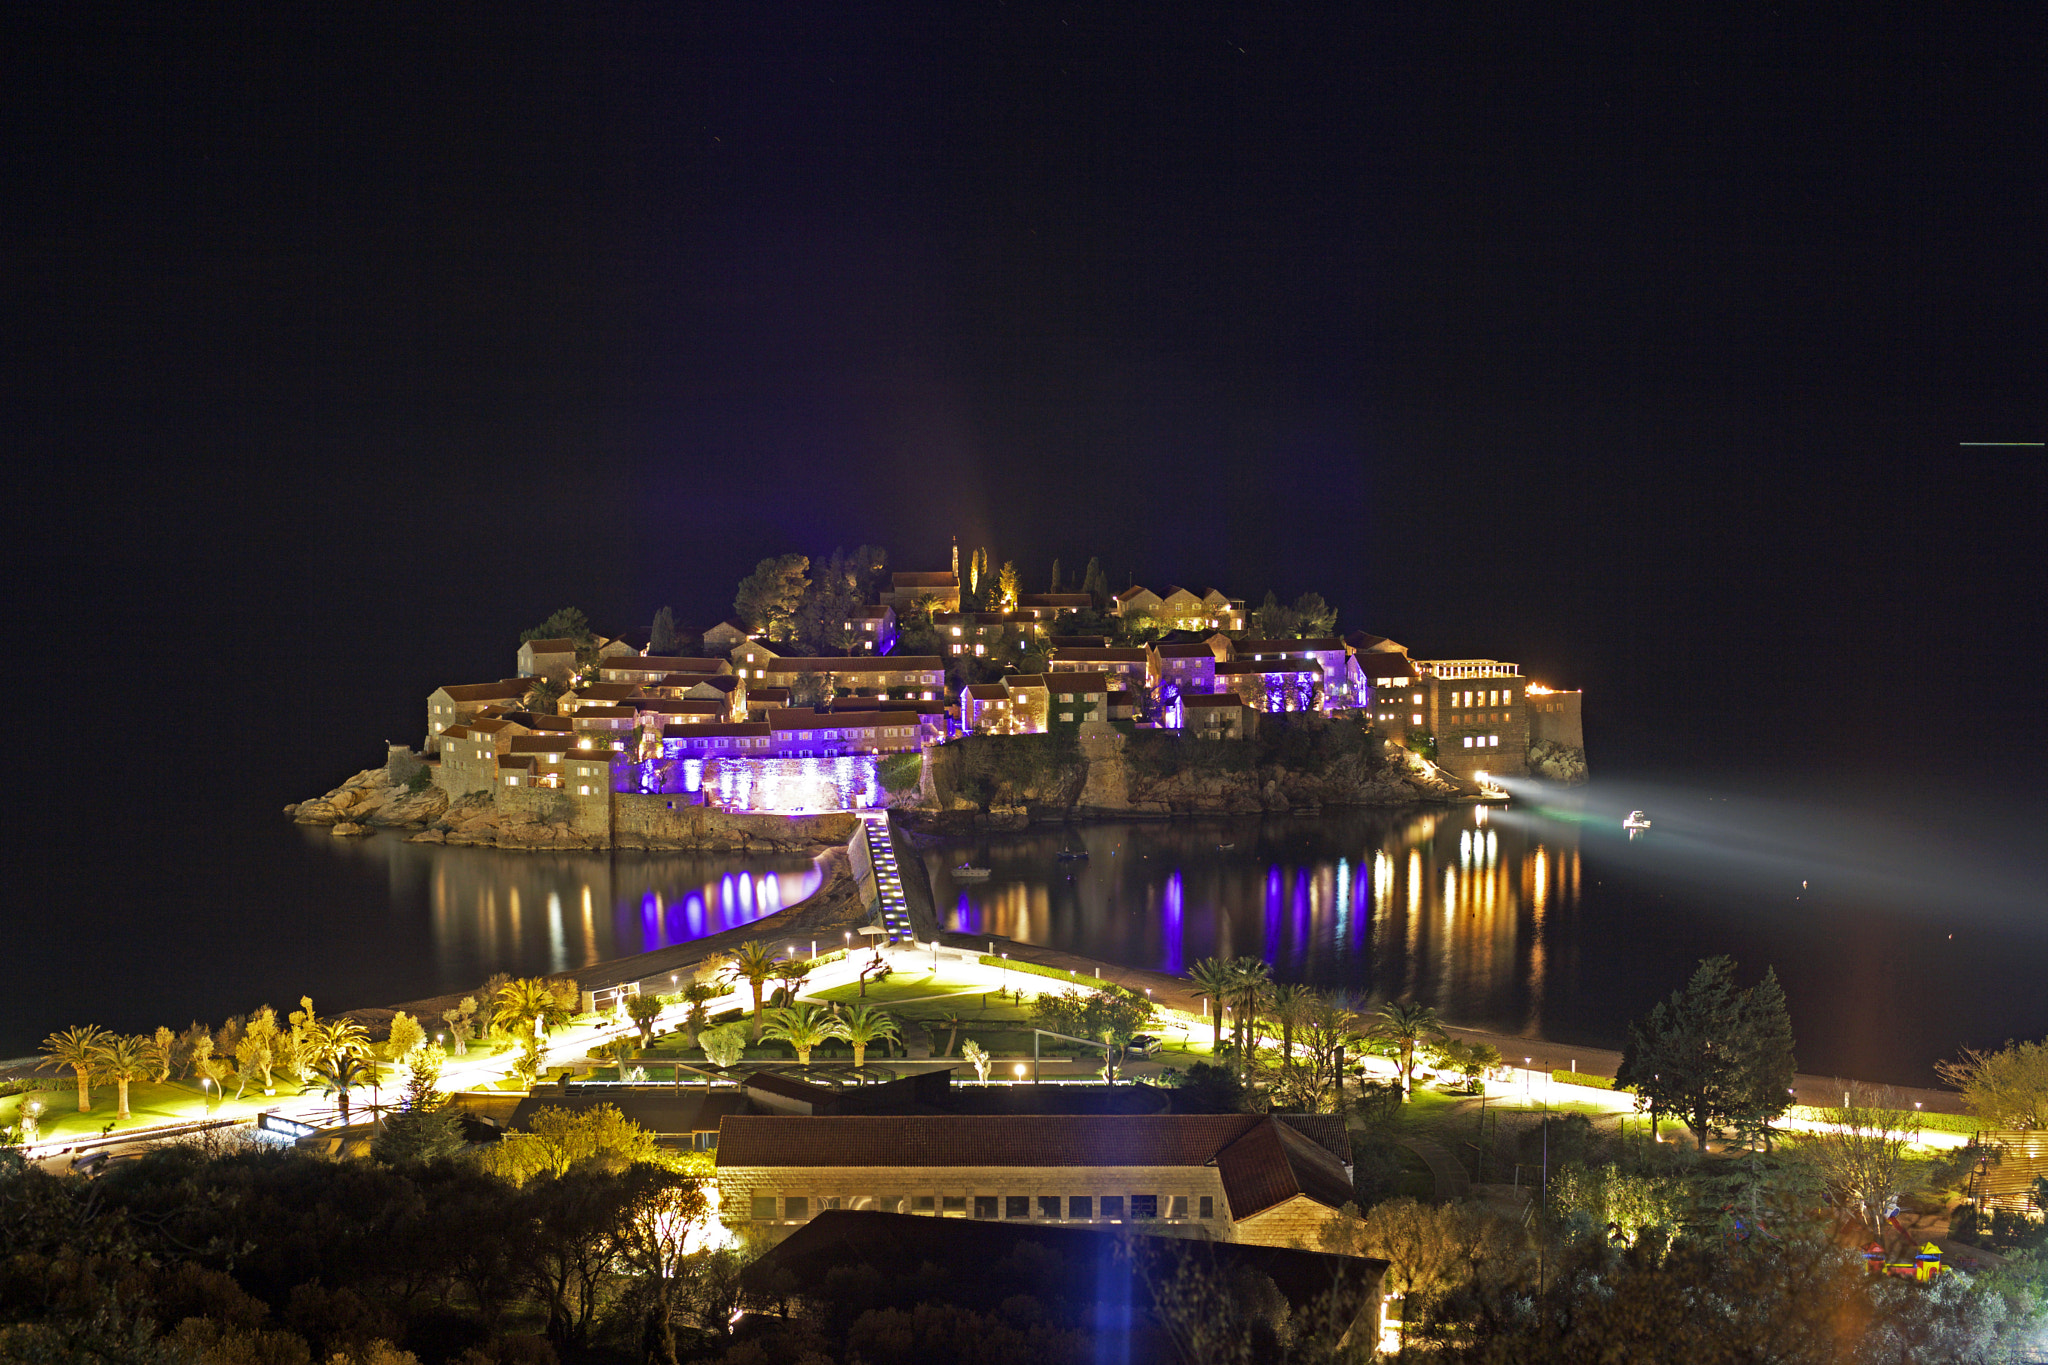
(661, 639)
(1055, 577)
(1096, 584)
(1715, 1056)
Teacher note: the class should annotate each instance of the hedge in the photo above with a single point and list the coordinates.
(1584, 1078)
(1938, 1123)
(1036, 969)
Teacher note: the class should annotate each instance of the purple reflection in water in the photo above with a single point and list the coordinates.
(1171, 904)
(1273, 906)
(1298, 949)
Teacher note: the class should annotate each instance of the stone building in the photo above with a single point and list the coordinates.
(1222, 715)
(1477, 711)
(1181, 669)
(461, 702)
(1273, 685)
(1554, 716)
(906, 590)
(554, 659)
(1126, 664)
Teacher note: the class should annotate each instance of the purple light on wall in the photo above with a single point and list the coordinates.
(693, 914)
(963, 916)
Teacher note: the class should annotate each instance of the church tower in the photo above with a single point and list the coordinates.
(956, 559)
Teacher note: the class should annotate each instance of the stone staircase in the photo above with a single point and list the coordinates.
(888, 880)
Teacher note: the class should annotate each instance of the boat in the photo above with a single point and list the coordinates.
(1072, 852)
(1636, 823)
(968, 872)
(1221, 847)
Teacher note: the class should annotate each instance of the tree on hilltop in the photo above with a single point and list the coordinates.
(768, 598)
(567, 624)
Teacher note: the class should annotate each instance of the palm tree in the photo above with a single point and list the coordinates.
(78, 1048)
(1290, 1004)
(790, 976)
(756, 964)
(696, 995)
(804, 1027)
(1212, 976)
(1249, 979)
(1406, 1025)
(543, 696)
(124, 1059)
(341, 1072)
(522, 1003)
(861, 1025)
(342, 1037)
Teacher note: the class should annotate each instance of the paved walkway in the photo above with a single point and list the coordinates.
(1451, 1180)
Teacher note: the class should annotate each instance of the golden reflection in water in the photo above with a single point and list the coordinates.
(1436, 908)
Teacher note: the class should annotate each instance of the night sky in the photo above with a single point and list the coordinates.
(1635, 348)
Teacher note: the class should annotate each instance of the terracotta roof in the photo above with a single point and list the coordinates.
(1055, 599)
(669, 707)
(1323, 644)
(825, 720)
(605, 691)
(552, 723)
(1194, 651)
(658, 663)
(1081, 641)
(716, 731)
(1135, 591)
(492, 691)
(456, 732)
(489, 727)
(1272, 1163)
(901, 581)
(758, 697)
(921, 707)
(1016, 680)
(980, 1139)
(724, 682)
(988, 691)
(860, 663)
(870, 613)
(1327, 1131)
(1223, 700)
(1082, 654)
(1079, 682)
(550, 646)
(544, 744)
(524, 764)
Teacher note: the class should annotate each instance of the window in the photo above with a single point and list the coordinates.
(1493, 741)
(1178, 1208)
(797, 1208)
(1017, 1206)
(1080, 1206)
(1415, 720)
(985, 1206)
(764, 1208)
(830, 1201)
(952, 1206)
(704, 1142)
(921, 1203)
(1144, 1206)
(1468, 741)
(887, 1203)
(1112, 1206)
(1207, 1206)
(1048, 1206)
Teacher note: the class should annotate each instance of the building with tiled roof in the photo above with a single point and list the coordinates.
(460, 702)
(1237, 1177)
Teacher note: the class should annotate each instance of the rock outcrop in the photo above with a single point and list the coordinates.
(1561, 763)
(372, 799)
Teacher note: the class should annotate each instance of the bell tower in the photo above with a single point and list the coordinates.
(956, 559)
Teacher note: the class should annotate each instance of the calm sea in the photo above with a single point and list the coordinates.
(1897, 944)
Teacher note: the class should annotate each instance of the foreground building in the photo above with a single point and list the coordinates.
(1273, 1180)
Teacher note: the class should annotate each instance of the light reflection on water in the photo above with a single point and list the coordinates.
(1435, 907)
(488, 910)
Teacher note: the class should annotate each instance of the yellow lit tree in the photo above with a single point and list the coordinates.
(78, 1048)
(124, 1059)
(1006, 587)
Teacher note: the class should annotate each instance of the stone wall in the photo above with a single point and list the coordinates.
(1557, 719)
(659, 821)
(588, 816)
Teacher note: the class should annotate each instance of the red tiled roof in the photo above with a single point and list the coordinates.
(550, 646)
(1220, 699)
(716, 731)
(1272, 1163)
(826, 720)
(1194, 651)
(1079, 682)
(860, 663)
(922, 580)
(492, 691)
(1071, 654)
(988, 691)
(605, 691)
(658, 663)
(1323, 645)
(979, 1139)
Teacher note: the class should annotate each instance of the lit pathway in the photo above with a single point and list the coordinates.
(888, 881)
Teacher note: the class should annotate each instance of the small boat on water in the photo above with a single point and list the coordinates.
(968, 872)
(1636, 823)
(1221, 847)
(1072, 852)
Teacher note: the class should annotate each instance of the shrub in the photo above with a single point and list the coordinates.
(1582, 1078)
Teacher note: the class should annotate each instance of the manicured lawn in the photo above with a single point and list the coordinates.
(173, 1102)
(897, 987)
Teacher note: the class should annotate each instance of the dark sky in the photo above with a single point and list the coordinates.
(1634, 347)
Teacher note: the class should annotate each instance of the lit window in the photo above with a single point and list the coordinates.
(1493, 740)
(1468, 741)
(1415, 720)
